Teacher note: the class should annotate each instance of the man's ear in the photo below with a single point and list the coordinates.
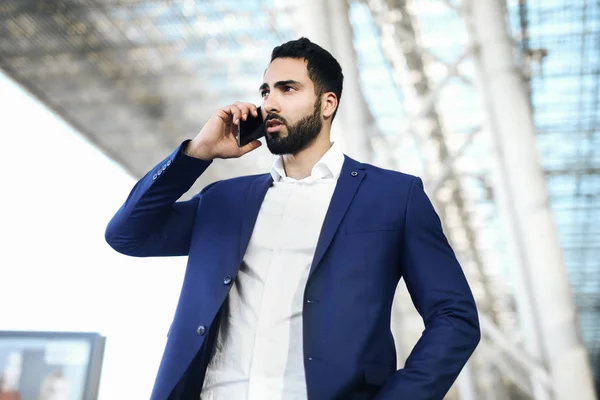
(329, 104)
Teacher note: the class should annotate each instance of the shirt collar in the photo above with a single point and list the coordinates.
(328, 167)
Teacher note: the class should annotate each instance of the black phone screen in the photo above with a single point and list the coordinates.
(250, 129)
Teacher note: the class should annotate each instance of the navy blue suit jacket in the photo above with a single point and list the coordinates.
(380, 227)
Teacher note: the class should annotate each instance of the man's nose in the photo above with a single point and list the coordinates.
(270, 105)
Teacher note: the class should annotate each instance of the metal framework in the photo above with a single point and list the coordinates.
(540, 385)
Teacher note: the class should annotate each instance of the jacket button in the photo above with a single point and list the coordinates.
(201, 330)
(227, 280)
(354, 173)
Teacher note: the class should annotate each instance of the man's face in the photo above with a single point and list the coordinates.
(291, 110)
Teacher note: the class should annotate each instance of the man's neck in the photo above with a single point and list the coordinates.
(299, 166)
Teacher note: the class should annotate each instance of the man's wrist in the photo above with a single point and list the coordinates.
(197, 150)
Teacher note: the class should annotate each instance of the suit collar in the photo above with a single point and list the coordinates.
(351, 176)
(329, 166)
(250, 208)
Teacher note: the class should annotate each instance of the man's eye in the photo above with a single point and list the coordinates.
(264, 93)
(288, 88)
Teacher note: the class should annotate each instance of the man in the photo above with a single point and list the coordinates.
(291, 274)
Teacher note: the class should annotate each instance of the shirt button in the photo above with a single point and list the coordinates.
(164, 167)
(154, 177)
(168, 162)
(227, 280)
(201, 330)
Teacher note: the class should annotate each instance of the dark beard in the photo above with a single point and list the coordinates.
(299, 135)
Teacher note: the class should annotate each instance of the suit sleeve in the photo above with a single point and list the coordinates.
(151, 222)
(441, 295)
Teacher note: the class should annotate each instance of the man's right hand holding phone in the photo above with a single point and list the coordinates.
(217, 138)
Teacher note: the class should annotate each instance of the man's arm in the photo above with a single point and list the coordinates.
(151, 222)
(442, 297)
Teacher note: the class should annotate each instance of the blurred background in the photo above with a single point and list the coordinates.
(495, 104)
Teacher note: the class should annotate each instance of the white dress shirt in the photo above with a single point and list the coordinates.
(258, 352)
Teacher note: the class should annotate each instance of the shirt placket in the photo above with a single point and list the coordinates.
(258, 385)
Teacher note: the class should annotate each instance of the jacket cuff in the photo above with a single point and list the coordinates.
(186, 168)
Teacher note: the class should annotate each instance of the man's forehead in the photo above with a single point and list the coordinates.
(284, 69)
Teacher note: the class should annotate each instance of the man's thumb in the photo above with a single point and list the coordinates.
(253, 145)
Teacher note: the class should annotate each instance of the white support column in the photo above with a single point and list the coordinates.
(535, 233)
(354, 110)
(466, 384)
(327, 23)
(527, 314)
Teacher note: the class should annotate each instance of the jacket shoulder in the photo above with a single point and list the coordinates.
(389, 176)
(237, 182)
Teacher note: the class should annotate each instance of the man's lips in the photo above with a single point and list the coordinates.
(273, 122)
(274, 128)
(273, 125)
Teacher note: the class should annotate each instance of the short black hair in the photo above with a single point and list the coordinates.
(323, 69)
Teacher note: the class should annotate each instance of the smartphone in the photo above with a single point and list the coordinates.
(250, 129)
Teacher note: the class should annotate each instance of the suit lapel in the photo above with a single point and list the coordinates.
(350, 179)
(250, 208)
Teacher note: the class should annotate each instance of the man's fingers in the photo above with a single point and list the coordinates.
(253, 145)
(237, 114)
(239, 111)
(247, 109)
(233, 112)
(244, 108)
(253, 109)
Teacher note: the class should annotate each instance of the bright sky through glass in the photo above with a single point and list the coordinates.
(56, 271)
